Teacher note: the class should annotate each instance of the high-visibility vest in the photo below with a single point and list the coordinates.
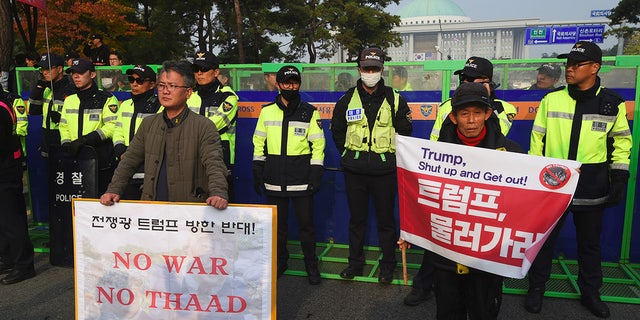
(381, 138)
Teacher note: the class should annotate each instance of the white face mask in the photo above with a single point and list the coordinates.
(370, 79)
(106, 82)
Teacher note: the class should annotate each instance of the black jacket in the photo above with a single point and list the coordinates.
(369, 162)
(494, 139)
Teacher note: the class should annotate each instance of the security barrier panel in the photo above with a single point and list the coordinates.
(430, 83)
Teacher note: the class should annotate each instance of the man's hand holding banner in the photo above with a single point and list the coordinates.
(487, 209)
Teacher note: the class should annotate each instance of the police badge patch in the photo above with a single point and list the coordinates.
(319, 123)
(226, 106)
(113, 108)
(21, 109)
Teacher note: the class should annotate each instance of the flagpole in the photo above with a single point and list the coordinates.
(46, 37)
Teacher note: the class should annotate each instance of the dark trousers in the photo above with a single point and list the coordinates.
(477, 294)
(588, 228)
(14, 234)
(424, 278)
(226, 157)
(383, 189)
(303, 209)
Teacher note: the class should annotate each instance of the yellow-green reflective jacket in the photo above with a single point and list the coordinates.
(381, 138)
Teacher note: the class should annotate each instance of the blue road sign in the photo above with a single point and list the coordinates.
(591, 33)
(600, 13)
(564, 34)
(536, 35)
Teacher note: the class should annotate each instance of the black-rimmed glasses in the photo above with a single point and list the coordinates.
(169, 86)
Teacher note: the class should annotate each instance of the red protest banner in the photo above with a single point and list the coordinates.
(487, 209)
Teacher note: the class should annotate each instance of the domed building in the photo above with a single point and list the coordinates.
(439, 30)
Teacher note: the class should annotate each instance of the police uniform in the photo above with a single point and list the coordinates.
(20, 110)
(219, 103)
(364, 127)
(14, 236)
(589, 126)
(584, 131)
(130, 116)
(89, 117)
(288, 163)
(48, 102)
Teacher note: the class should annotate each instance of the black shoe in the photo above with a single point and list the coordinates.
(386, 275)
(18, 275)
(350, 272)
(5, 268)
(596, 306)
(533, 300)
(313, 275)
(417, 296)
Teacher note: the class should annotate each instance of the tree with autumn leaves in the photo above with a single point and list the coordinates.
(251, 31)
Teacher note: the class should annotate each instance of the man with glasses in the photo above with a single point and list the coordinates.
(478, 69)
(217, 102)
(364, 124)
(180, 150)
(288, 159)
(588, 123)
(143, 103)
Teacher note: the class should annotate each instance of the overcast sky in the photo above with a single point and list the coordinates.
(546, 10)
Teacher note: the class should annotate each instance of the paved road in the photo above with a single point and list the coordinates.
(50, 296)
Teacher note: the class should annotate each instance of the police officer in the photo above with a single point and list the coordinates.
(364, 124)
(17, 249)
(218, 103)
(97, 51)
(20, 110)
(47, 99)
(288, 159)
(588, 123)
(547, 78)
(144, 102)
(477, 69)
(89, 118)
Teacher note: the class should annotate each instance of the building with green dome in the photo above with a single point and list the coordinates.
(440, 30)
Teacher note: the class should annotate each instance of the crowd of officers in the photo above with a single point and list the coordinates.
(582, 121)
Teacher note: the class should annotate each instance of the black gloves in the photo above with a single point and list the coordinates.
(617, 186)
(315, 178)
(118, 150)
(55, 116)
(258, 180)
(38, 92)
(73, 147)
